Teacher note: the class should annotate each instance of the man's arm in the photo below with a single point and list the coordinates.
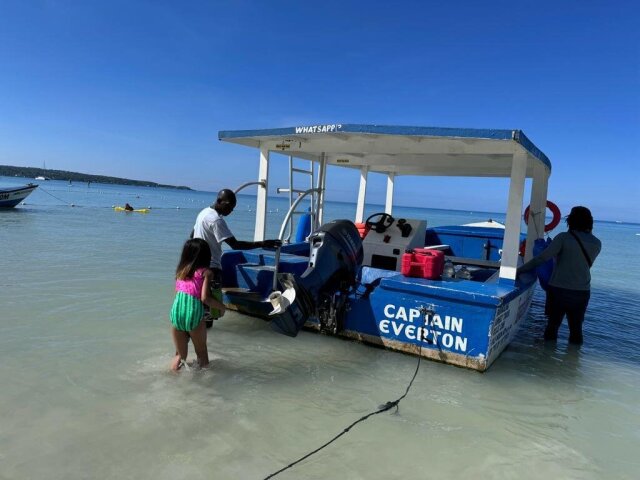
(236, 244)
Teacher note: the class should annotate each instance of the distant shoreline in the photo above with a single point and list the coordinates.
(32, 172)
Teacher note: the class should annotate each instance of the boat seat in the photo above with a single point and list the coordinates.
(267, 257)
(369, 275)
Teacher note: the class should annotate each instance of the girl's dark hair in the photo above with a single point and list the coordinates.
(580, 219)
(195, 254)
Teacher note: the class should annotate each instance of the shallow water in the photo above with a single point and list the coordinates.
(86, 391)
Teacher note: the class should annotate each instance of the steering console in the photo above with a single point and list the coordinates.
(380, 225)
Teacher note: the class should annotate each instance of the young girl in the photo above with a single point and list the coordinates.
(192, 291)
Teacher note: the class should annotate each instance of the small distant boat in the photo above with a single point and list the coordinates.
(10, 197)
(43, 177)
(488, 224)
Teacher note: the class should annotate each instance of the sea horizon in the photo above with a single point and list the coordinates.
(273, 196)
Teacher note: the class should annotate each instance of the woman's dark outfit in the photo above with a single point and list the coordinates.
(570, 284)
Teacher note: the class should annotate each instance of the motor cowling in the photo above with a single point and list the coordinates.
(335, 257)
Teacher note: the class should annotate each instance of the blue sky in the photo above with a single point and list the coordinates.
(140, 89)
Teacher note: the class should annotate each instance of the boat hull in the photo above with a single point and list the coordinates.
(466, 323)
(466, 335)
(457, 328)
(10, 197)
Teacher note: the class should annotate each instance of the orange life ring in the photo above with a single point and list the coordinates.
(554, 221)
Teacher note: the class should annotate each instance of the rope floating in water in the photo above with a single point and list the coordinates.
(383, 408)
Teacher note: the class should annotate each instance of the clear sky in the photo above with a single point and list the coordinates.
(139, 89)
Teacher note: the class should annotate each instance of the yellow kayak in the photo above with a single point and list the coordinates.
(137, 210)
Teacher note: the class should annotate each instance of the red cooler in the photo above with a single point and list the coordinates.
(423, 263)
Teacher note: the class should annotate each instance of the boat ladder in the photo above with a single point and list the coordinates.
(295, 193)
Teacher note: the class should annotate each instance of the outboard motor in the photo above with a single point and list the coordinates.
(321, 291)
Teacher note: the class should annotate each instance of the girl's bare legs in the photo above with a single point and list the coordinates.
(199, 339)
(181, 341)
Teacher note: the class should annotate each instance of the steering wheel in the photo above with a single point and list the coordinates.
(381, 225)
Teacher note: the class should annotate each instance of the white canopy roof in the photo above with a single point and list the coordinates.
(400, 150)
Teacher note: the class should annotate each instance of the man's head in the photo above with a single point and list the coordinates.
(226, 202)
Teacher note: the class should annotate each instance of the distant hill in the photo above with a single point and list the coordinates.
(31, 172)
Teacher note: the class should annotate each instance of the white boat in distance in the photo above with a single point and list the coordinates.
(43, 177)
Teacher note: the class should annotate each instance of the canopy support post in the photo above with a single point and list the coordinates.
(388, 205)
(261, 197)
(362, 194)
(537, 208)
(509, 261)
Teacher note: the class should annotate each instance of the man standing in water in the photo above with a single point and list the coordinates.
(570, 284)
(211, 227)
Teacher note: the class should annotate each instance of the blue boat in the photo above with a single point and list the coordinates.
(348, 281)
(10, 197)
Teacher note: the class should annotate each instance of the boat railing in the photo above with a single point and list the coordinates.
(261, 183)
(293, 207)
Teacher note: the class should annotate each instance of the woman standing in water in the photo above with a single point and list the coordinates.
(569, 288)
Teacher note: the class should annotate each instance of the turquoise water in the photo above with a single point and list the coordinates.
(86, 391)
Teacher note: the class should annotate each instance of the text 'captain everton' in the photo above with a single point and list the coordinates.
(410, 324)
